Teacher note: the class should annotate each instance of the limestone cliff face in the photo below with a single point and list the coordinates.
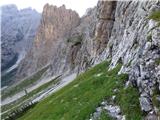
(105, 15)
(134, 42)
(89, 39)
(56, 24)
(122, 32)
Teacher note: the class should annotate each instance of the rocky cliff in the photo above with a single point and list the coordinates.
(134, 42)
(124, 32)
(18, 30)
(68, 43)
(49, 44)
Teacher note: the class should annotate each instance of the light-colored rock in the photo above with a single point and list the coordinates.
(130, 43)
(145, 103)
(111, 110)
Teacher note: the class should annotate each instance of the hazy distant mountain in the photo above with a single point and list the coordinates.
(18, 28)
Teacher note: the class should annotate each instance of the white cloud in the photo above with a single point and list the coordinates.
(79, 5)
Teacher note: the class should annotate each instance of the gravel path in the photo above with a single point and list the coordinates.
(22, 93)
(64, 82)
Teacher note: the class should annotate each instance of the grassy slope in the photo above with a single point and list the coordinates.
(104, 116)
(155, 16)
(79, 99)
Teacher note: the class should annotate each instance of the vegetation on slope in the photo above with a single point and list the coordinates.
(79, 99)
(155, 16)
(14, 106)
(23, 85)
(104, 116)
(76, 40)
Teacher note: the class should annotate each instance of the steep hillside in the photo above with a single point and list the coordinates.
(80, 99)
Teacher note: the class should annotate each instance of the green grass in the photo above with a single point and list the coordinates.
(104, 116)
(23, 85)
(129, 103)
(29, 95)
(80, 98)
(155, 16)
(157, 61)
(156, 93)
(156, 102)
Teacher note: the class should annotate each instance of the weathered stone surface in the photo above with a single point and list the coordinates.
(151, 116)
(68, 43)
(105, 15)
(49, 45)
(130, 44)
(145, 102)
(110, 109)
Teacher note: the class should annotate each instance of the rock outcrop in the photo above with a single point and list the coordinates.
(68, 43)
(49, 44)
(91, 36)
(18, 29)
(105, 22)
(134, 42)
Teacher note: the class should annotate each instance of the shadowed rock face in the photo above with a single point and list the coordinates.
(93, 33)
(18, 31)
(105, 15)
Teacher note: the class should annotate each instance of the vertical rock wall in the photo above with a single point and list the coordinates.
(135, 42)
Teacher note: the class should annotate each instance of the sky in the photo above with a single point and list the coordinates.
(78, 5)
